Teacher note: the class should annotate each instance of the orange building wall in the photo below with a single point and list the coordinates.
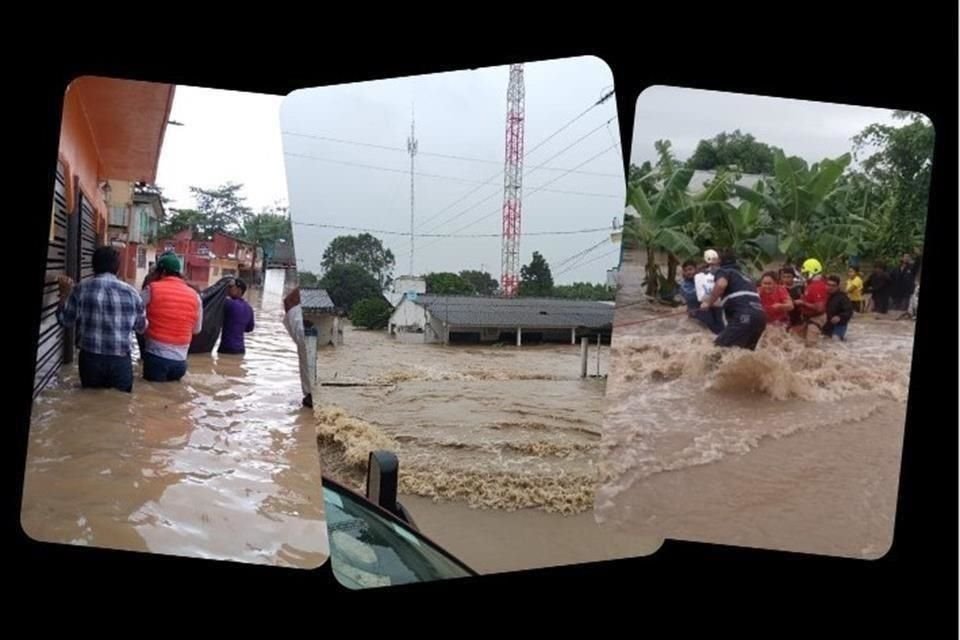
(78, 152)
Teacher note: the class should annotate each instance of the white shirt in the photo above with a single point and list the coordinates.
(703, 282)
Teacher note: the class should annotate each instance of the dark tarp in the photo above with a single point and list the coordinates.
(213, 298)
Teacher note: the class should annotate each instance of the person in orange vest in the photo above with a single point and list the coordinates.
(174, 316)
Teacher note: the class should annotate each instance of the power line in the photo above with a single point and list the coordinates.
(420, 174)
(446, 156)
(525, 155)
(537, 189)
(544, 185)
(447, 235)
(592, 260)
(583, 113)
(580, 253)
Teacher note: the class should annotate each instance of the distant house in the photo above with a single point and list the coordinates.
(446, 319)
(403, 286)
(321, 316)
(135, 213)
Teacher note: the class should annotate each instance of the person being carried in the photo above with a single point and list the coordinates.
(106, 312)
(741, 305)
(839, 310)
(174, 315)
(688, 288)
(775, 299)
(855, 288)
(237, 319)
(704, 282)
(813, 304)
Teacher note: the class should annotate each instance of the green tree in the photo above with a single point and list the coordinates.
(737, 149)
(584, 291)
(535, 278)
(307, 279)
(804, 205)
(223, 209)
(348, 284)
(447, 284)
(897, 162)
(264, 229)
(655, 223)
(181, 220)
(483, 283)
(371, 313)
(364, 250)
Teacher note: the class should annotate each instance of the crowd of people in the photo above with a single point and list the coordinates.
(737, 309)
(166, 313)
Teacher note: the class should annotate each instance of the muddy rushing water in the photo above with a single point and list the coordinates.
(791, 447)
(222, 465)
(493, 426)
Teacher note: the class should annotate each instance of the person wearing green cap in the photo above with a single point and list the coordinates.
(174, 316)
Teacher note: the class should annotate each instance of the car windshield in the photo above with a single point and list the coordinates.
(369, 550)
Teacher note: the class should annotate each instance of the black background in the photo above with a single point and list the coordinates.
(904, 57)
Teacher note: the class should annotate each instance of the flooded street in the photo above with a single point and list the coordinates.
(511, 432)
(788, 447)
(222, 465)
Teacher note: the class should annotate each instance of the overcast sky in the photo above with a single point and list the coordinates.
(811, 130)
(463, 114)
(250, 139)
(227, 136)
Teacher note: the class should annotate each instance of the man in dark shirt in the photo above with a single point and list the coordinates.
(237, 319)
(746, 319)
(839, 310)
(904, 282)
(879, 285)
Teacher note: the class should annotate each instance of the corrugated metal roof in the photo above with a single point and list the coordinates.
(315, 300)
(532, 313)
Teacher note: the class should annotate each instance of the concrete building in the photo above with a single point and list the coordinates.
(321, 317)
(135, 213)
(404, 285)
(472, 319)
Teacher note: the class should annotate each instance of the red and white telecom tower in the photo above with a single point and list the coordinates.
(512, 185)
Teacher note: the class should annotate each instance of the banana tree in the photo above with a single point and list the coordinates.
(656, 225)
(797, 200)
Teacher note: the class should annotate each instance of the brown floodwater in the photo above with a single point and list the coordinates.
(792, 447)
(498, 445)
(223, 465)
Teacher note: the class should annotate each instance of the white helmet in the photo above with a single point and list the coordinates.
(711, 257)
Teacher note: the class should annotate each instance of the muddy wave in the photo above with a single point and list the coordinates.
(781, 368)
(426, 468)
(676, 401)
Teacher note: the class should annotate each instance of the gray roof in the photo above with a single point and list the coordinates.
(316, 300)
(532, 313)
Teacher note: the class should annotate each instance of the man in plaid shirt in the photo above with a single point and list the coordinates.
(106, 311)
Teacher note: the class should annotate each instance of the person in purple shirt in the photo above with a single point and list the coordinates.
(237, 319)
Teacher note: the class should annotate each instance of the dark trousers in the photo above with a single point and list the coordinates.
(98, 371)
(881, 302)
(157, 369)
(711, 318)
(743, 329)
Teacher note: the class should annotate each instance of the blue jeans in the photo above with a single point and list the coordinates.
(838, 330)
(157, 369)
(98, 371)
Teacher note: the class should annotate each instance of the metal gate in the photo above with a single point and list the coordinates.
(50, 344)
(88, 237)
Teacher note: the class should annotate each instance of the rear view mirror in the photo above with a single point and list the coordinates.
(383, 477)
